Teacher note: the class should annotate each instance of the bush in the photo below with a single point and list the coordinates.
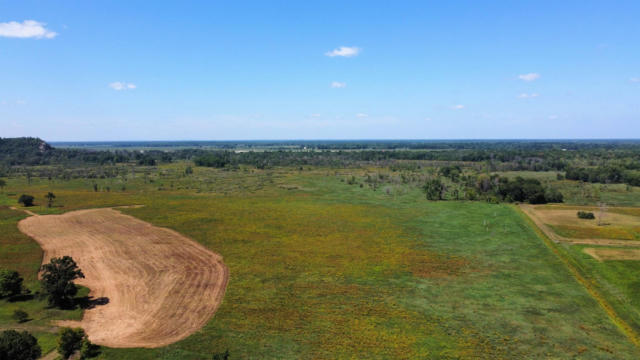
(20, 316)
(26, 200)
(18, 346)
(586, 215)
(10, 283)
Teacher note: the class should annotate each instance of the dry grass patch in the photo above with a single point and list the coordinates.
(603, 254)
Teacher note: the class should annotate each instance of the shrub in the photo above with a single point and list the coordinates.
(586, 215)
(20, 316)
(18, 346)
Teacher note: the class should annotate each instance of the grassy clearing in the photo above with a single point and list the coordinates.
(322, 269)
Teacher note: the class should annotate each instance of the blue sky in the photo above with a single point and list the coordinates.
(139, 70)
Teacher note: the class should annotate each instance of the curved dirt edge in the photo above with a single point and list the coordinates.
(93, 320)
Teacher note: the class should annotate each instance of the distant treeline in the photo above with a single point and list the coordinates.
(496, 155)
(608, 174)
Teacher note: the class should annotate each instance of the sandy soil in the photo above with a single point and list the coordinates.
(161, 286)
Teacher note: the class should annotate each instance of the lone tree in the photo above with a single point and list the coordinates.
(2, 184)
(57, 280)
(70, 341)
(10, 283)
(50, 196)
(26, 200)
(18, 346)
(434, 189)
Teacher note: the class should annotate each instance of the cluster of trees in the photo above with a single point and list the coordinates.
(493, 188)
(22, 345)
(57, 283)
(608, 174)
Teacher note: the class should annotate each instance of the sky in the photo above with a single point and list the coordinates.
(213, 70)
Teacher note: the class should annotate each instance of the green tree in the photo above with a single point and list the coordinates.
(57, 280)
(10, 283)
(188, 170)
(69, 341)
(26, 200)
(18, 346)
(50, 196)
(433, 189)
(2, 184)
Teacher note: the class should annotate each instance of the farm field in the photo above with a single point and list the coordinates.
(608, 255)
(142, 278)
(323, 269)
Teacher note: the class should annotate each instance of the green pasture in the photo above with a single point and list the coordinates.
(323, 269)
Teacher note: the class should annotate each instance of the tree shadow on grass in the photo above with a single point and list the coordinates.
(21, 297)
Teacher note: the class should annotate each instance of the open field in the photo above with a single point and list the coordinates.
(611, 266)
(323, 269)
(142, 278)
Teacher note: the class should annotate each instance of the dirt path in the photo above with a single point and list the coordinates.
(24, 210)
(161, 286)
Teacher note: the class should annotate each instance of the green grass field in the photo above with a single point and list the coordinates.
(322, 269)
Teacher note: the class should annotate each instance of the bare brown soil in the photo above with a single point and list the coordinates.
(161, 286)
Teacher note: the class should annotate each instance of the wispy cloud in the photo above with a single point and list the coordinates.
(362, 115)
(529, 77)
(316, 115)
(338, 84)
(457, 107)
(345, 51)
(122, 86)
(26, 29)
(553, 117)
(635, 80)
(528, 96)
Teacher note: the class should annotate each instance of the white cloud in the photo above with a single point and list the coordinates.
(529, 77)
(316, 115)
(362, 115)
(122, 86)
(457, 107)
(338, 84)
(26, 29)
(345, 51)
(635, 80)
(528, 96)
(553, 117)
